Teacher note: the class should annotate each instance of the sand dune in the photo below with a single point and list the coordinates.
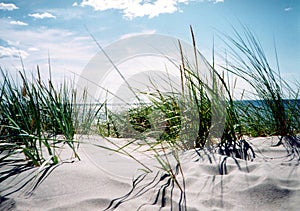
(103, 179)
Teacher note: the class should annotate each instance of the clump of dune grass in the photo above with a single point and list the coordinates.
(200, 116)
(273, 112)
(36, 121)
(275, 106)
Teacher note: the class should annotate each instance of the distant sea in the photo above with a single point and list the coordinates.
(258, 103)
(122, 107)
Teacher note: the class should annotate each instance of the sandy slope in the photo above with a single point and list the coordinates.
(270, 182)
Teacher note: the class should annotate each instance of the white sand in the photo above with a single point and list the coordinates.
(270, 182)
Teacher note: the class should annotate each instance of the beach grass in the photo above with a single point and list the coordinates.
(37, 120)
(274, 110)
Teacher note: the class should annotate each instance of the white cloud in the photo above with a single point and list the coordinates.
(19, 23)
(137, 33)
(42, 15)
(13, 42)
(8, 7)
(217, 1)
(288, 9)
(136, 8)
(33, 49)
(12, 52)
(140, 8)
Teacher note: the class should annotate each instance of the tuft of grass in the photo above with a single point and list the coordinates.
(36, 121)
(251, 64)
(202, 115)
(274, 112)
(275, 108)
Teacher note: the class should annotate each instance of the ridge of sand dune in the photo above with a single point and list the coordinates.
(269, 182)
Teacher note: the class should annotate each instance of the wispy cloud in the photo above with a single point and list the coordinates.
(19, 23)
(287, 9)
(137, 33)
(68, 13)
(9, 7)
(217, 1)
(67, 50)
(42, 15)
(12, 52)
(33, 49)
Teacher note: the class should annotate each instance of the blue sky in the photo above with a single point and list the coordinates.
(37, 28)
